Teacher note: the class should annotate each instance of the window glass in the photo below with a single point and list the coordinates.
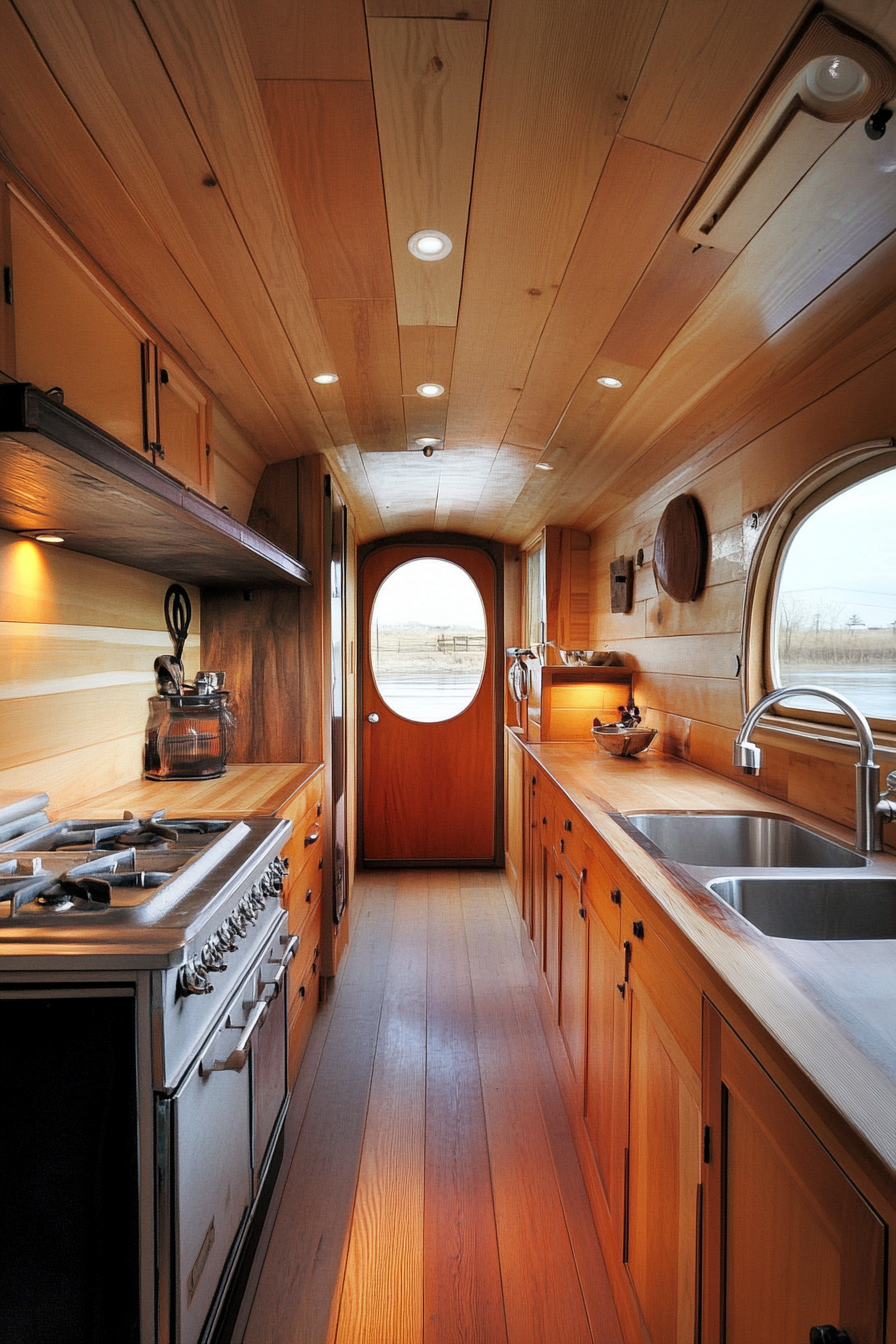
(834, 618)
(428, 640)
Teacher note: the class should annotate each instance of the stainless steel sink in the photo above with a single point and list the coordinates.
(741, 840)
(818, 908)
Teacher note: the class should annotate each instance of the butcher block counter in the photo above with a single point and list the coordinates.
(697, 1054)
(242, 788)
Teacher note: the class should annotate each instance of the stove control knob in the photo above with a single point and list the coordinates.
(193, 978)
(226, 937)
(247, 909)
(238, 923)
(212, 955)
(256, 896)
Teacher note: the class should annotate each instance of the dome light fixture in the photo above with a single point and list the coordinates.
(430, 389)
(427, 443)
(326, 377)
(51, 538)
(836, 79)
(609, 382)
(543, 466)
(429, 245)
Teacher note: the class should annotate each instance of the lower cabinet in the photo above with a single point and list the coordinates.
(789, 1242)
(722, 1217)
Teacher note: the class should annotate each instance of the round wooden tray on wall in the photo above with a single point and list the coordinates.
(679, 550)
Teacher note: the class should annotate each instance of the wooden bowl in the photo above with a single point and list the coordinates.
(620, 741)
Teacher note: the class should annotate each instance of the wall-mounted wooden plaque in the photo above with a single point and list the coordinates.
(679, 551)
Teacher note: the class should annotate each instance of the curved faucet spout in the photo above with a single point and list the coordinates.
(748, 757)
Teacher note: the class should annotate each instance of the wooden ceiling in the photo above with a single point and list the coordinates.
(249, 172)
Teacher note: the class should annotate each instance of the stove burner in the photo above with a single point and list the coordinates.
(72, 837)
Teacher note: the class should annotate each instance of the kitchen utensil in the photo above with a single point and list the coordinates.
(169, 675)
(178, 614)
(188, 736)
(209, 682)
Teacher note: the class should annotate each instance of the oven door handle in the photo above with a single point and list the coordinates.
(276, 982)
(238, 1058)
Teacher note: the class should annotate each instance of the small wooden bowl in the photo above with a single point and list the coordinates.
(620, 741)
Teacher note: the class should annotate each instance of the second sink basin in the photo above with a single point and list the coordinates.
(819, 908)
(741, 840)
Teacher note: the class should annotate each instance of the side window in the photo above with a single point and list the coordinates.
(833, 611)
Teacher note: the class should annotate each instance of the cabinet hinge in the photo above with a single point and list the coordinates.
(707, 1144)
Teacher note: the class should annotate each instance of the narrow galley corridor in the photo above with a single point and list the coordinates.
(434, 1195)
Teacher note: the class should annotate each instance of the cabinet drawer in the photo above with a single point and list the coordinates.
(305, 851)
(674, 994)
(303, 970)
(602, 894)
(302, 1011)
(570, 831)
(303, 888)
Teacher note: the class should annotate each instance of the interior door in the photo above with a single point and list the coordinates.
(429, 719)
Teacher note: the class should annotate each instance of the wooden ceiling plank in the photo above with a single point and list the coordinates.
(675, 283)
(706, 60)
(204, 51)
(427, 354)
(463, 475)
(42, 135)
(102, 57)
(348, 465)
(324, 135)
(364, 337)
(305, 39)
(640, 193)
(427, 9)
(511, 471)
(427, 77)
(553, 97)
(407, 486)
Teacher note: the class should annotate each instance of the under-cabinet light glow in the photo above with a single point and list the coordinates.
(429, 245)
(430, 389)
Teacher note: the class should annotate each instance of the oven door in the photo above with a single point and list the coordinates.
(269, 1088)
(211, 1182)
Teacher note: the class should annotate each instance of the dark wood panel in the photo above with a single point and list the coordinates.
(316, 39)
(60, 471)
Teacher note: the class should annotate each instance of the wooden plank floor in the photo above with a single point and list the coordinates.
(434, 1196)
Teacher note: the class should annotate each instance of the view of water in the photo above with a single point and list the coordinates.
(428, 699)
(871, 689)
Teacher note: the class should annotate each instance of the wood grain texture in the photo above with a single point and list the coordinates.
(317, 40)
(408, 765)
(324, 134)
(703, 65)
(111, 71)
(427, 76)
(364, 338)
(640, 192)
(382, 1291)
(268, 789)
(427, 9)
(550, 109)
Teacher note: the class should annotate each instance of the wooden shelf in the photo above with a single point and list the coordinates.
(61, 472)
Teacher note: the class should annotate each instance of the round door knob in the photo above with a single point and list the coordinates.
(373, 718)
(828, 1334)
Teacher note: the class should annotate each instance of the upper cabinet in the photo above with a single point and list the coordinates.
(182, 422)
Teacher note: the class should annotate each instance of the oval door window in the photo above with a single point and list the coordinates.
(428, 640)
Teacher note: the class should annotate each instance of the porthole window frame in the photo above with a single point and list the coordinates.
(774, 529)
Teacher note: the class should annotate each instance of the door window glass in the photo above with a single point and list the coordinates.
(834, 620)
(428, 640)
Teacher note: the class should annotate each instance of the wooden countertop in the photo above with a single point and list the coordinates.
(830, 1006)
(242, 788)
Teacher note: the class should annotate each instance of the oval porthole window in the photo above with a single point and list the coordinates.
(428, 640)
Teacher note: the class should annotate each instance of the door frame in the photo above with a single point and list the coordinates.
(495, 552)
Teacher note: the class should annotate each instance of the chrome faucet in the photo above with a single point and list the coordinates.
(872, 809)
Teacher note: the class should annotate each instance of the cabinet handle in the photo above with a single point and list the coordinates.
(621, 989)
(828, 1334)
(312, 838)
(544, 821)
(582, 911)
(616, 896)
(559, 877)
(320, 808)
(567, 825)
(638, 928)
(308, 896)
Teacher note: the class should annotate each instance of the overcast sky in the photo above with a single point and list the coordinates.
(844, 555)
(433, 592)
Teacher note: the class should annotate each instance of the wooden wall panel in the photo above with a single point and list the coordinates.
(427, 76)
(315, 39)
(325, 137)
(79, 637)
(640, 192)
(550, 108)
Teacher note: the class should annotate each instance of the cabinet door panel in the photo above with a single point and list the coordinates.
(790, 1242)
(605, 1062)
(664, 1175)
(573, 972)
(551, 950)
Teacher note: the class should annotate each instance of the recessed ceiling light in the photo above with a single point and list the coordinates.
(609, 382)
(427, 443)
(836, 79)
(430, 389)
(543, 466)
(326, 377)
(51, 538)
(429, 245)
